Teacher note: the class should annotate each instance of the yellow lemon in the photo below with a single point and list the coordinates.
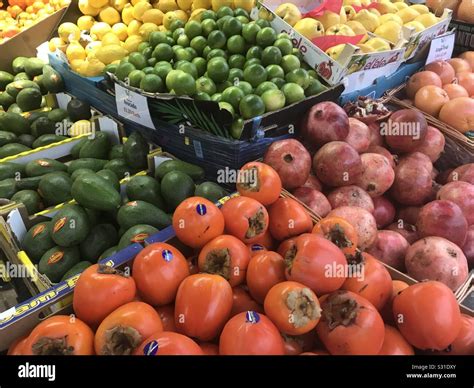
(69, 32)
(181, 15)
(162, 28)
(110, 16)
(92, 47)
(119, 5)
(135, 2)
(98, 3)
(127, 14)
(87, 9)
(120, 29)
(197, 4)
(146, 29)
(248, 5)
(92, 68)
(76, 64)
(85, 22)
(133, 27)
(75, 51)
(57, 43)
(140, 8)
(132, 42)
(153, 16)
(185, 5)
(110, 38)
(217, 4)
(167, 5)
(168, 19)
(197, 14)
(99, 29)
(108, 54)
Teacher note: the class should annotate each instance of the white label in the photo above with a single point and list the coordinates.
(441, 48)
(133, 106)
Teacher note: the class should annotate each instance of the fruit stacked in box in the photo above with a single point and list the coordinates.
(463, 9)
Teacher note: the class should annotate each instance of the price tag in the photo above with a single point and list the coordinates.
(441, 48)
(133, 106)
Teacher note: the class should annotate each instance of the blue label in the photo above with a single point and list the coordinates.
(201, 209)
(252, 317)
(167, 255)
(257, 247)
(151, 348)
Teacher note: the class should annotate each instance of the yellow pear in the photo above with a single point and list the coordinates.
(365, 49)
(375, 12)
(350, 11)
(309, 28)
(417, 26)
(335, 51)
(340, 29)
(328, 19)
(357, 3)
(369, 20)
(342, 16)
(422, 9)
(289, 12)
(378, 44)
(358, 28)
(427, 19)
(391, 16)
(386, 7)
(391, 31)
(408, 14)
(400, 5)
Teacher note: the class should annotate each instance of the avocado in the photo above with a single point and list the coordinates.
(110, 177)
(27, 140)
(57, 261)
(14, 108)
(70, 226)
(90, 163)
(100, 238)
(211, 191)
(43, 166)
(15, 123)
(116, 152)
(78, 110)
(29, 99)
(6, 100)
(97, 147)
(28, 183)
(136, 234)
(44, 140)
(7, 138)
(81, 171)
(195, 172)
(57, 115)
(176, 186)
(34, 66)
(37, 241)
(108, 252)
(16, 87)
(76, 269)
(5, 79)
(18, 64)
(55, 188)
(135, 151)
(12, 149)
(30, 199)
(145, 188)
(21, 77)
(11, 170)
(94, 192)
(39, 81)
(52, 80)
(76, 149)
(8, 187)
(141, 212)
(43, 126)
(119, 167)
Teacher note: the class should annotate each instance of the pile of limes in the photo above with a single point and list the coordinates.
(243, 65)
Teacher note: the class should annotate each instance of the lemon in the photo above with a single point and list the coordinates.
(98, 30)
(132, 42)
(76, 64)
(133, 27)
(110, 16)
(162, 28)
(108, 54)
(92, 47)
(109, 39)
(217, 4)
(153, 16)
(140, 8)
(181, 15)
(98, 3)
(127, 14)
(90, 68)
(168, 19)
(81, 127)
(69, 32)
(197, 14)
(87, 9)
(167, 5)
(146, 29)
(248, 5)
(197, 4)
(85, 22)
(120, 29)
(75, 51)
(57, 43)
(135, 2)
(185, 5)
(118, 4)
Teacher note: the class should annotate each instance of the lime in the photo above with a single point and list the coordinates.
(162, 69)
(224, 11)
(241, 12)
(216, 97)
(170, 41)
(188, 67)
(312, 73)
(285, 46)
(152, 83)
(274, 100)
(251, 106)
(123, 70)
(290, 63)
(255, 75)
(149, 70)
(175, 24)
(206, 85)
(112, 68)
(208, 14)
(218, 69)
(147, 51)
(253, 61)
(231, 27)
(177, 33)
(193, 29)
(183, 41)
(233, 95)
(254, 52)
(138, 60)
(242, 19)
(297, 53)
(263, 23)
(206, 51)
(236, 45)
(216, 53)
(182, 55)
(216, 39)
(157, 37)
(201, 96)
(142, 46)
(271, 56)
(151, 61)
(220, 22)
(163, 52)
(208, 26)
(171, 79)
(228, 107)
(176, 47)
(266, 37)
(237, 128)
(235, 75)
(314, 88)
(223, 86)
(265, 86)
(185, 85)
(237, 61)
(250, 31)
(193, 53)
(124, 60)
(275, 71)
(135, 77)
(168, 34)
(201, 65)
(279, 82)
(245, 87)
(199, 43)
(293, 93)
(298, 76)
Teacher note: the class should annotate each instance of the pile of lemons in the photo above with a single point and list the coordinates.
(110, 29)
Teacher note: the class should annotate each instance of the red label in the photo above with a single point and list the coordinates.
(38, 229)
(55, 257)
(59, 224)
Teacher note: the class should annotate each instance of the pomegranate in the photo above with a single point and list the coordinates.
(374, 149)
(376, 138)
(405, 130)
(468, 247)
(384, 211)
(390, 248)
(351, 196)
(314, 199)
(359, 135)
(462, 194)
(433, 144)
(313, 182)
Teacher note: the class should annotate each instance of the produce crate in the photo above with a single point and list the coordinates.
(464, 36)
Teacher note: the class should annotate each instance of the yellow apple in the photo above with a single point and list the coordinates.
(391, 17)
(416, 25)
(340, 29)
(335, 51)
(328, 19)
(378, 44)
(427, 19)
(391, 31)
(369, 20)
(289, 12)
(408, 14)
(309, 28)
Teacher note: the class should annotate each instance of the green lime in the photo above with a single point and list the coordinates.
(123, 70)
(262, 23)
(193, 53)
(138, 60)
(189, 68)
(235, 75)
(285, 46)
(254, 52)
(283, 35)
(199, 43)
(252, 61)
(266, 37)
(124, 60)
(185, 84)
(170, 41)
(151, 61)
(233, 95)
(175, 24)
(275, 71)
(216, 39)
(216, 53)
(314, 88)
(147, 51)
(242, 19)
(216, 97)
(293, 93)
(251, 106)
(250, 31)
(142, 46)
(112, 68)
(271, 56)
(177, 33)
(171, 79)
(135, 77)
(201, 65)
(182, 55)
(168, 33)
(237, 61)
(149, 70)
(228, 107)
(236, 45)
(163, 52)
(223, 86)
(206, 51)
(245, 87)
(208, 26)
(274, 100)
(206, 85)
(298, 76)
(176, 47)
(279, 82)
(312, 73)
(290, 63)
(201, 96)
(237, 128)
(297, 53)
(221, 22)
(265, 86)
(157, 37)
(231, 27)
(208, 14)
(255, 75)
(183, 41)
(218, 69)
(152, 83)
(224, 11)
(162, 69)
(193, 29)
(241, 12)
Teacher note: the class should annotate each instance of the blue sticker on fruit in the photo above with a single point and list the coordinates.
(167, 255)
(252, 317)
(151, 348)
(201, 209)
(258, 247)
